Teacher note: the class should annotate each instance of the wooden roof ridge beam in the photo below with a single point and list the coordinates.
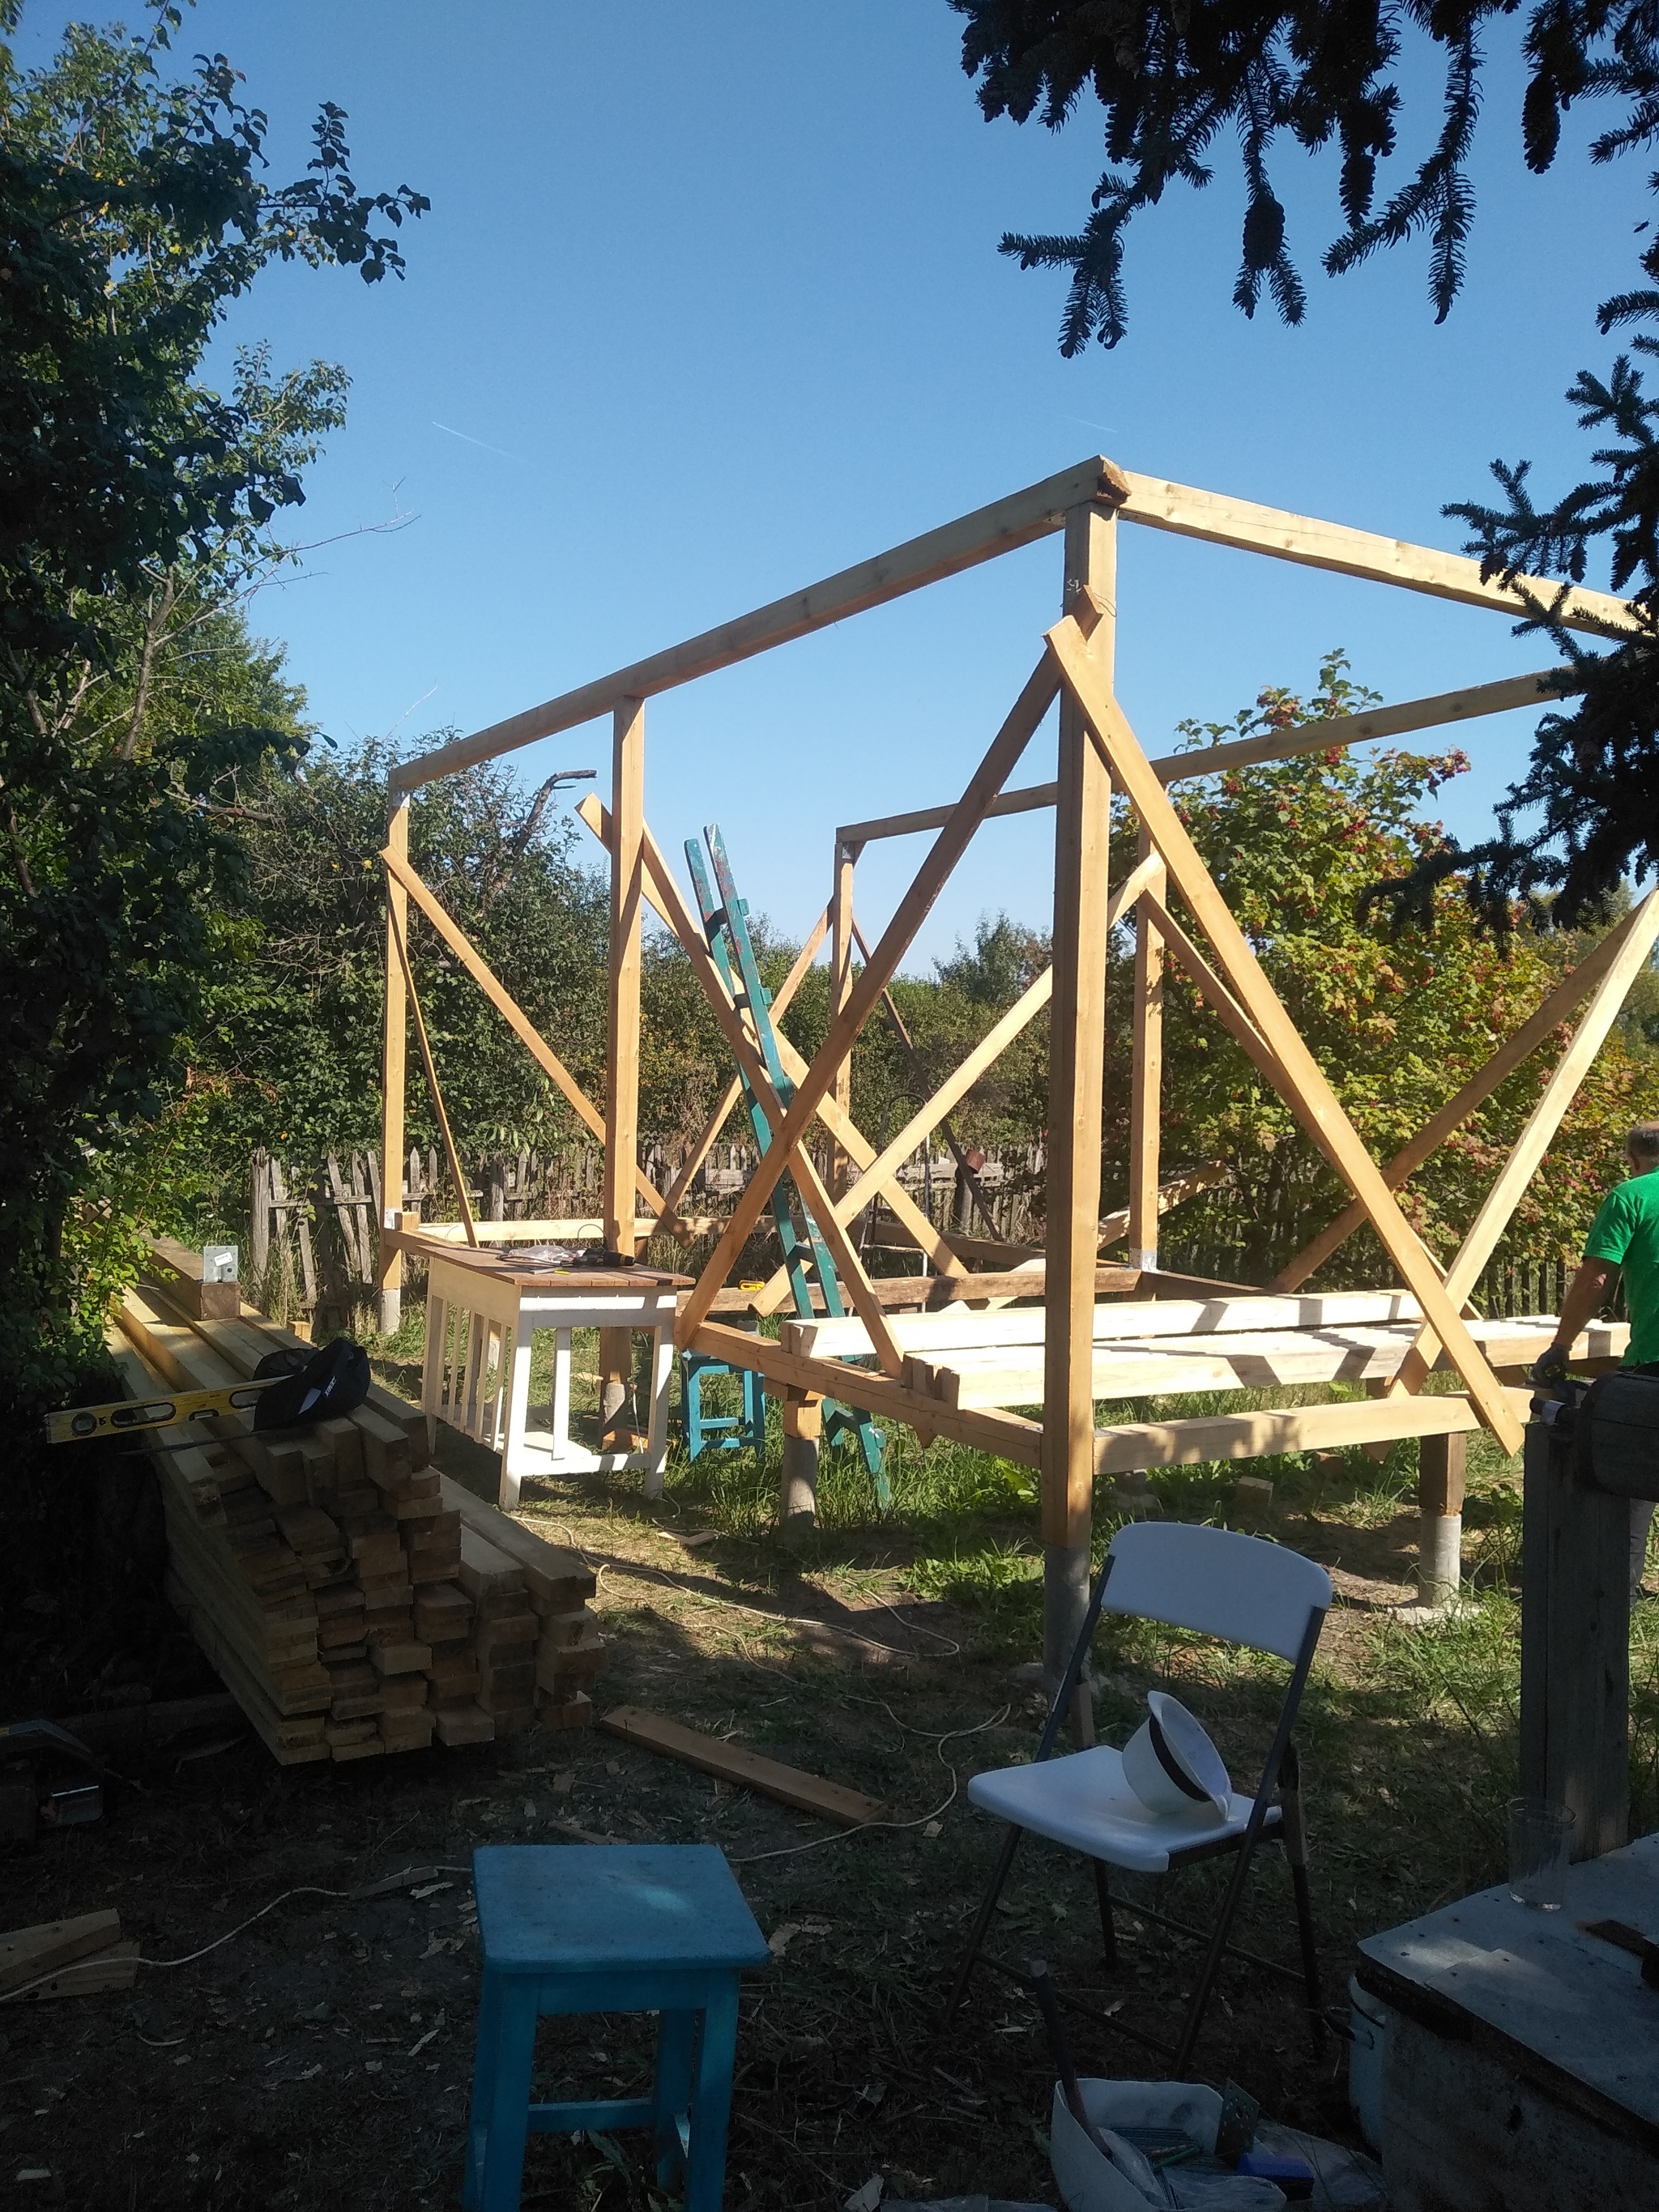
(1298, 1079)
(1019, 728)
(1038, 511)
(507, 1005)
(1553, 1011)
(1248, 528)
(1534, 1140)
(1464, 705)
(462, 1200)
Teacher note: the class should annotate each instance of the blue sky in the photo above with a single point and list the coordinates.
(709, 305)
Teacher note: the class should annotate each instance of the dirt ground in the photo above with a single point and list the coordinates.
(321, 2055)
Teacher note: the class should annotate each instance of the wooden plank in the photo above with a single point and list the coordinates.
(389, 1273)
(1017, 731)
(1146, 1078)
(178, 1271)
(557, 1577)
(621, 1072)
(511, 1013)
(458, 1179)
(1557, 1007)
(1442, 1471)
(1222, 520)
(1300, 1081)
(1077, 1033)
(1134, 1319)
(114, 1968)
(995, 1375)
(1502, 697)
(712, 1755)
(1191, 1442)
(27, 1952)
(1534, 1140)
(1018, 519)
(1001, 1434)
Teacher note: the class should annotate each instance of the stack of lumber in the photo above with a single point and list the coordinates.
(66, 1958)
(354, 1601)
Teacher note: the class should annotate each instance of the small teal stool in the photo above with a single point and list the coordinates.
(726, 1432)
(575, 1928)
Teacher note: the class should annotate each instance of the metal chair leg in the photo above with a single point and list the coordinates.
(1103, 1897)
(1294, 1835)
(983, 1921)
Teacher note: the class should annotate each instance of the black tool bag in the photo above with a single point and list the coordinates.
(315, 1385)
(1615, 1434)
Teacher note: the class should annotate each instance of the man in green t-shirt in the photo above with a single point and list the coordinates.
(1624, 1236)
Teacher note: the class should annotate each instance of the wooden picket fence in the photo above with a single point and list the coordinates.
(312, 1231)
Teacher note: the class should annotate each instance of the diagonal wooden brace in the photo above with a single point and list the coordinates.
(1631, 959)
(1010, 742)
(1298, 1076)
(508, 1007)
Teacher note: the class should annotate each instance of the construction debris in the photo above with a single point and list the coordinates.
(352, 1600)
(66, 1958)
(807, 1793)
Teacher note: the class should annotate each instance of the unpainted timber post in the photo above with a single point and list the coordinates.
(1147, 1079)
(840, 989)
(1575, 1647)
(622, 1080)
(1442, 1464)
(1076, 1062)
(389, 1273)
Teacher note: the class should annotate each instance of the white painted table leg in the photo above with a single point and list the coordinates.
(518, 1408)
(656, 1449)
(560, 1397)
(432, 1369)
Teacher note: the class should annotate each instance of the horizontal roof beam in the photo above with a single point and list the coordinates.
(1038, 511)
(1320, 737)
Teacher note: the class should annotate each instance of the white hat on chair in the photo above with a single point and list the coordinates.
(1172, 1765)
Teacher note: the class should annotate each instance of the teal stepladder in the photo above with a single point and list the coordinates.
(725, 925)
(658, 1928)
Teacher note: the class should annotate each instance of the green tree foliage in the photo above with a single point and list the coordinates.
(1324, 73)
(289, 1051)
(1398, 1023)
(136, 508)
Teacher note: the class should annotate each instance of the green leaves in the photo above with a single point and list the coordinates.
(136, 508)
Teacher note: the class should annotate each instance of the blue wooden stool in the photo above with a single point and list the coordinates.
(574, 1927)
(726, 1432)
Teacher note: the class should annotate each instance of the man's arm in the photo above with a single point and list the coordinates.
(1586, 1294)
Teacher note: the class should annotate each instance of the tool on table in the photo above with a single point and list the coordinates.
(725, 924)
(289, 1389)
(1628, 1939)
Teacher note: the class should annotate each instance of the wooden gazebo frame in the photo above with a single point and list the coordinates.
(1098, 752)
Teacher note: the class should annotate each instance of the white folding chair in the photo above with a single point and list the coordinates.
(1239, 1590)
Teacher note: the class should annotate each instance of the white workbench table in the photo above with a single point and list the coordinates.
(482, 1311)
